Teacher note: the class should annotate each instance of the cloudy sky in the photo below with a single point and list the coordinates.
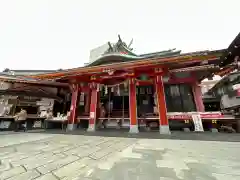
(53, 34)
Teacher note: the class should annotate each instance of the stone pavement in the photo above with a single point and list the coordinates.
(40, 156)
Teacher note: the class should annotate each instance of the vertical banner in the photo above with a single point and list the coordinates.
(198, 126)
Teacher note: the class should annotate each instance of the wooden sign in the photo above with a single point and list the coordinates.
(198, 126)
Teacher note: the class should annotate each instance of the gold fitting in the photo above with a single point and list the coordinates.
(93, 78)
(158, 70)
(186, 121)
(214, 121)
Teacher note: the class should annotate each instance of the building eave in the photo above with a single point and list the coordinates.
(187, 57)
(24, 80)
(231, 52)
(224, 80)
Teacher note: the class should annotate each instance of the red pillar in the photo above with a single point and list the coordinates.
(133, 106)
(93, 107)
(72, 121)
(197, 93)
(161, 105)
(87, 102)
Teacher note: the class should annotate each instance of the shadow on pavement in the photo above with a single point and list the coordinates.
(177, 135)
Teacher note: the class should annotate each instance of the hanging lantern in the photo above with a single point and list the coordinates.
(149, 90)
(81, 102)
(125, 85)
(118, 90)
(106, 90)
(155, 98)
(142, 91)
(98, 87)
(112, 89)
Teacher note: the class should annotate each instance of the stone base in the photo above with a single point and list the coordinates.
(214, 130)
(133, 129)
(148, 129)
(71, 127)
(91, 128)
(164, 129)
(186, 129)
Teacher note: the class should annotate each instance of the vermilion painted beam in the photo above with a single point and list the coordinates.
(84, 89)
(138, 71)
(170, 81)
(131, 65)
(150, 72)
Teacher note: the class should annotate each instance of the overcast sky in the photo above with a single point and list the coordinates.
(53, 34)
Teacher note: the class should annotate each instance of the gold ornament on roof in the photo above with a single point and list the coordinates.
(157, 70)
(93, 78)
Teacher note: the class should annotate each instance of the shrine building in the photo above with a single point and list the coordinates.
(156, 90)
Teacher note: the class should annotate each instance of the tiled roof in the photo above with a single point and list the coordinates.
(30, 91)
(187, 57)
(231, 78)
(29, 80)
(232, 51)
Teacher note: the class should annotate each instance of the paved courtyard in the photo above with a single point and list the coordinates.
(41, 156)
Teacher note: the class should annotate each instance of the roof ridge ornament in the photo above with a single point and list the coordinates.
(119, 47)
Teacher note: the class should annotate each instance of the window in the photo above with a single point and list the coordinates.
(179, 98)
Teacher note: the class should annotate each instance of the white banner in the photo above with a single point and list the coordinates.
(198, 126)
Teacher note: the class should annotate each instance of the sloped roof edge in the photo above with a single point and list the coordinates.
(128, 63)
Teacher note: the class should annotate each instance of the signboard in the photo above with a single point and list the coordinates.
(184, 116)
(198, 126)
